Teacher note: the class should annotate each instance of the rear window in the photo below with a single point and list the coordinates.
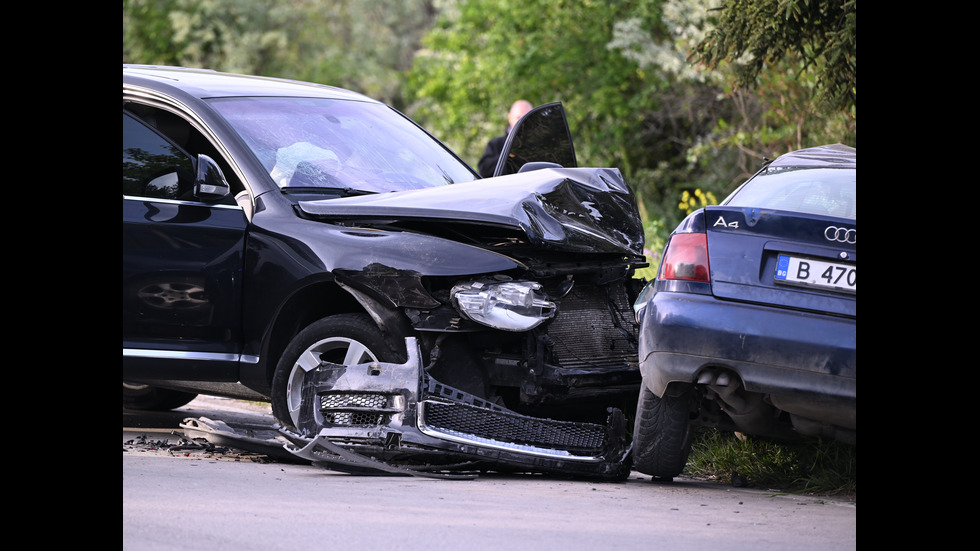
(823, 191)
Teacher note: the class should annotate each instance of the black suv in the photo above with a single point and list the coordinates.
(312, 247)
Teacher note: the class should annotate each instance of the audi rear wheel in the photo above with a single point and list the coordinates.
(662, 433)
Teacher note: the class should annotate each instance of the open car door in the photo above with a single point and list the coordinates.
(540, 136)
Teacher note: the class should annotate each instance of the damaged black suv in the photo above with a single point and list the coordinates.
(312, 247)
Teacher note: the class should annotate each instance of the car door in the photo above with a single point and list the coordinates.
(541, 135)
(182, 258)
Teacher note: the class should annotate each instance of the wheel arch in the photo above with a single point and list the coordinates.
(319, 300)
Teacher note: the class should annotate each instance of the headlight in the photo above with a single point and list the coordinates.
(510, 305)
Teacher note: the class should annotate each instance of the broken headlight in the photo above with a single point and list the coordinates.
(507, 305)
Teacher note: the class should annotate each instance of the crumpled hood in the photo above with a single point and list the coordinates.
(571, 209)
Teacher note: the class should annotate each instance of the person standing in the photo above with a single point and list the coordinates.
(495, 146)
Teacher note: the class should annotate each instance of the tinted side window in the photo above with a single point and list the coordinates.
(152, 165)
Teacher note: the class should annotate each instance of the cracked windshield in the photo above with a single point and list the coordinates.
(340, 144)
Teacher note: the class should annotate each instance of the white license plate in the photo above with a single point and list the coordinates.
(808, 272)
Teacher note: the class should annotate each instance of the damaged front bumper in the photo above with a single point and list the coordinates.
(395, 418)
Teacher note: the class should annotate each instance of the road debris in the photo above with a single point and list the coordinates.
(194, 448)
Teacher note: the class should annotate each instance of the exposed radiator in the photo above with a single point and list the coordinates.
(585, 333)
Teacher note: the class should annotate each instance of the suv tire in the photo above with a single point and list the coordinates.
(149, 398)
(346, 339)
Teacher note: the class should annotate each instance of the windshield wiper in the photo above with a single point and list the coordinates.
(335, 191)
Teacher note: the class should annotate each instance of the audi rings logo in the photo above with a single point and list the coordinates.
(841, 235)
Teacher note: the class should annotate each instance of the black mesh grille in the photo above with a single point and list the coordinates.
(345, 408)
(515, 428)
(351, 418)
(347, 399)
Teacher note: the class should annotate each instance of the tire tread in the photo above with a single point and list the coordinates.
(662, 434)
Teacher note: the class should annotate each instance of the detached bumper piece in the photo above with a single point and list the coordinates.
(395, 419)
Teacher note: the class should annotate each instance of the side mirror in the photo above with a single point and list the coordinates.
(210, 183)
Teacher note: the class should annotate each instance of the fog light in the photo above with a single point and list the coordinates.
(510, 305)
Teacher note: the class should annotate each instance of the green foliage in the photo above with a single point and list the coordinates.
(147, 34)
(757, 34)
(239, 36)
(816, 466)
(481, 58)
(655, 232)
(765, 71)
(363, 45)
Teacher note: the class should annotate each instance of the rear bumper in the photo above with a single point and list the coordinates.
(805, 362)
(399, 415)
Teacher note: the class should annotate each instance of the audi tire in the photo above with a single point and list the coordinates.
(662, 433)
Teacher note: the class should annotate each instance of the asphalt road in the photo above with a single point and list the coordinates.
(178, 496)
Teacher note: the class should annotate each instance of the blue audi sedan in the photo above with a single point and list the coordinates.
(750, 324)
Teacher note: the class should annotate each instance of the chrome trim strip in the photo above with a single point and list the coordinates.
(183, 355)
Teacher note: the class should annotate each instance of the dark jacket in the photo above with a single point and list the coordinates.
(491, 153)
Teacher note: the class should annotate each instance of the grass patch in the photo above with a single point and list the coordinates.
(815, 466)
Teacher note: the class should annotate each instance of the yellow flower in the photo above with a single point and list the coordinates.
(699, 199)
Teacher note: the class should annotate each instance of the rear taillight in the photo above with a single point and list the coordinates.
(686, 257)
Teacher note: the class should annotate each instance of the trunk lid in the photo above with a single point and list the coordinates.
(783, 259)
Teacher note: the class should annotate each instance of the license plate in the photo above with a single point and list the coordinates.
(808, 272)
